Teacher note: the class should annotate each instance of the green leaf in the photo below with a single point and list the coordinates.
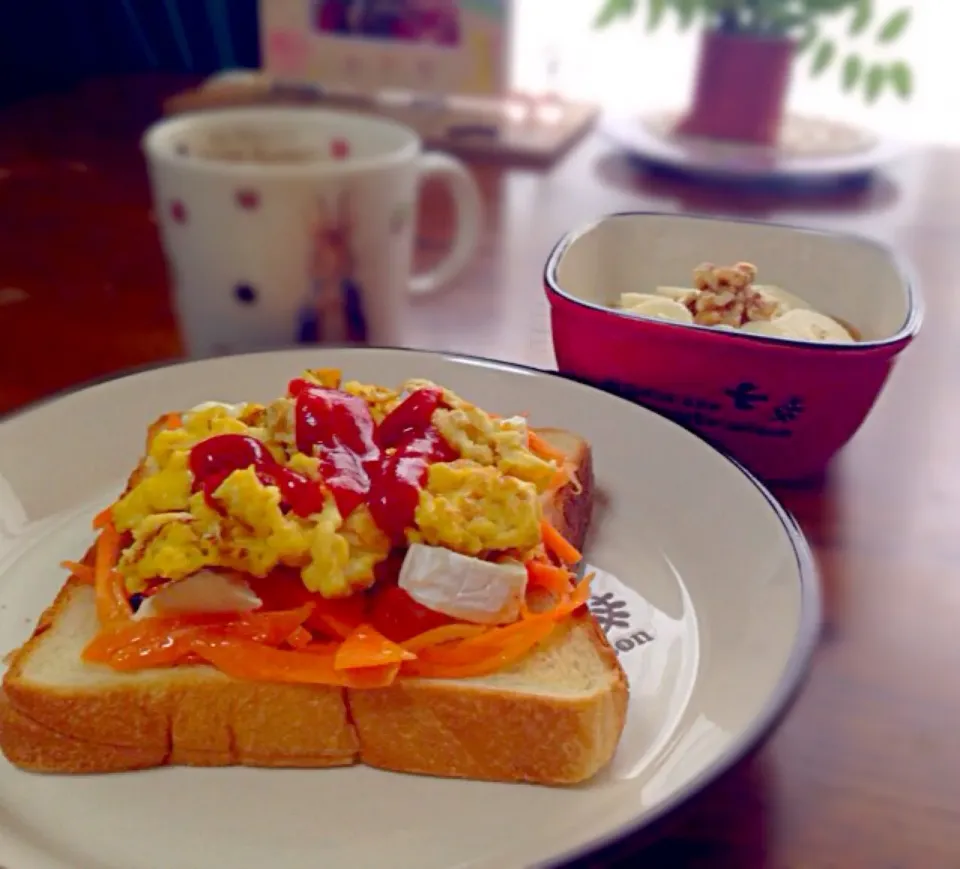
(686, 12)
(894, 26)
(876, 79)
(901, 77)
(827, 7)
(612, 10)
(852, 70)
(655, 10)
(781, 24)
(825, 53)
(861, 18)
(809, 37)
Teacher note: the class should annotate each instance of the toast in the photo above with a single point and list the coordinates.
(555, 717)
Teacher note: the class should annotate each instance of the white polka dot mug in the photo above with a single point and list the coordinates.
(296, 225)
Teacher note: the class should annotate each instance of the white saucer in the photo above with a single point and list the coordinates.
(812, 151)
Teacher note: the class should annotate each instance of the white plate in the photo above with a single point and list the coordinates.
(711, 568)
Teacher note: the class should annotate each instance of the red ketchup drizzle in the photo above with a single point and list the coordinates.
(396, 490)
(214, 459)
(412, 415)
(337, 428)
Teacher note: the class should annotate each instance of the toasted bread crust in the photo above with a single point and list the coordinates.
(195, 716)
(456, 730)
(198, 716)
(572, 509)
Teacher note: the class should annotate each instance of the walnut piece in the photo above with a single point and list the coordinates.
(726, 297)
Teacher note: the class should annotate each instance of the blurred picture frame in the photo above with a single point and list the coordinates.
(454, 47)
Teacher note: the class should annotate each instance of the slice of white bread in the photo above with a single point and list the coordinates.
(553, 718)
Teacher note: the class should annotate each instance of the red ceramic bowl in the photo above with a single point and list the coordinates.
(781, 407)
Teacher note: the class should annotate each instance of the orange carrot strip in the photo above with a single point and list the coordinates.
(554, 579)
(490, 643)
(103, 518)
(320, 647)
(494, 638)
(555, 542)
(560, 478)
(482, 665)
(173, 420)
(244, 659)
(367, 647)
(338, 617)
(443, 634)
(83, 572)
(125, 643)
(112, 601)
(159, 650)
(331, 623)
(493, 641)
(544, 448)
(299, 638)
(578, 599)
(497, 647)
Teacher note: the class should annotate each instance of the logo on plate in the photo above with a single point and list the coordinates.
(614, 619)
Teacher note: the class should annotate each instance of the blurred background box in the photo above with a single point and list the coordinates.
(53, 44)
(436, 46)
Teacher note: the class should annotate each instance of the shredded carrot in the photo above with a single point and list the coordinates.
(339, 617)
(320, 647)
(496, 648)
(555, 543)
(543, 448)
(367, 647)
(245, 646)
(103, 518)
(173, 420)
(83, 572)
(299, 638)
(112, 601)
(157, 642)
(554, 579)
(526, 633)
(579, 598)
(440, 667)
(280, 645)
(443, 634)
(560, 478)
(151, 649)
(244, 659)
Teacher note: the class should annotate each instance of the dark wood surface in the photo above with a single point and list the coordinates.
(865, 772)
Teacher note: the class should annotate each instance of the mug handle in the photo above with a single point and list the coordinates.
(469, 213)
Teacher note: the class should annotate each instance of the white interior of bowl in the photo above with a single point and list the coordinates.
(710, 568)
(844, 277)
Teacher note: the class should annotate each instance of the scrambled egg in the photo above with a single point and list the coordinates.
(344, 562)
(474, 509)
(487, 502)
(327, 377)
(280, 426)
(175, 532)
(498, 443)
(379, 399)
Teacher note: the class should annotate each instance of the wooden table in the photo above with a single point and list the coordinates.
(865, 772)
